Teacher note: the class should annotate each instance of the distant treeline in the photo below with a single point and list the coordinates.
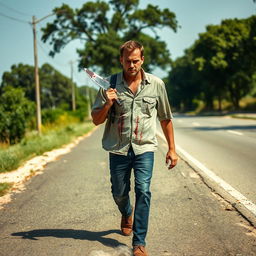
(219, 67)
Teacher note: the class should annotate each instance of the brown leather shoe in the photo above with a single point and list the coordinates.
(139, 250)
(126, 225)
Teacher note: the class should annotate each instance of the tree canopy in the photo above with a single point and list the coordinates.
(55, 87)
(226, 54)
(103, 27)
(219, 65)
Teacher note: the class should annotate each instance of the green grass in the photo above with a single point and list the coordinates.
(4, 187)
(241, 116)
(33, 145)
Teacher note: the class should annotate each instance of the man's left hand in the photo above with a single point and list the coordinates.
(172, 157)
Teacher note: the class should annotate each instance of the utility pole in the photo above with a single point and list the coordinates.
(73, 92)
(37, 85)
(89, 102)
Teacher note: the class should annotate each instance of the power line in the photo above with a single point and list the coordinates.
(60, 65)
(14, 10)
(13, 18)
(47, 55)
(45, 49)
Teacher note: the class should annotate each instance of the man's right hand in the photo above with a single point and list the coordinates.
(99, 115)
(111, 96)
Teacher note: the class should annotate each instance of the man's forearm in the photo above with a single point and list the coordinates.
(169, 135)
(100, 115)
(167, 128)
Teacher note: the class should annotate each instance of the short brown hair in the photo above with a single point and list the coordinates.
(130, 46)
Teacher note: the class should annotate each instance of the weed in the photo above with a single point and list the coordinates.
(4, 187)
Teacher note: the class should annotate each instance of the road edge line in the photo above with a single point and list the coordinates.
(33, 169)
(244, 206)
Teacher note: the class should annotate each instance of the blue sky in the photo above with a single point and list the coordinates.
(16, 38)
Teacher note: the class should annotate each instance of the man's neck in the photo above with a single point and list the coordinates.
(133, 79)
(133, 82)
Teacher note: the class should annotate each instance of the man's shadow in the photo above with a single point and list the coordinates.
(72, 233)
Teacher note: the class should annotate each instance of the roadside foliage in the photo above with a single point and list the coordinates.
(17, 101)
(220, 66)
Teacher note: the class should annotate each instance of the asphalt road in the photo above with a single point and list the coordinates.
(226, 146)
(69, 211)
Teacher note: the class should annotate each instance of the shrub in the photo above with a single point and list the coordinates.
(80, 114)
(15, 113)
(51, 115)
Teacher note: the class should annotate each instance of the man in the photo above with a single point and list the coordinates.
(131, 109)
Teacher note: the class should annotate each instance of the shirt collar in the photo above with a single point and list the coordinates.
(145, 78)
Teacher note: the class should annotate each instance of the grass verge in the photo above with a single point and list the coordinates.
(244, 117)
(33, 145)
(4, 187)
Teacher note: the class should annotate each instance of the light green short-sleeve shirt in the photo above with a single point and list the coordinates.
(133, 122)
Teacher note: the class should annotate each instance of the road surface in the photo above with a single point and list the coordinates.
(69, 211)
(227, 146)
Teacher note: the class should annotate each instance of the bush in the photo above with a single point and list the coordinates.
(80, 114)
(15, 113)
(51, 115)
(60, 116)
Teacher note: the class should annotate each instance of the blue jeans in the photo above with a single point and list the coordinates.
(120, 170)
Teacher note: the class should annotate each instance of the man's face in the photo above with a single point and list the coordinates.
(132, 62)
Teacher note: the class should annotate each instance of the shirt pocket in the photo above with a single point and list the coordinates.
(120, 111)
(148, 105)
(123, 107)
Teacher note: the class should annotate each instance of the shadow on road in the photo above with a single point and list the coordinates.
(232, 127)
(71, 233)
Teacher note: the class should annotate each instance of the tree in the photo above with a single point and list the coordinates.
(87, 93)
(15, 113)
(225, 54)
(183, 83)
(105, 26)
(221, 64)
(20, 76)
(55, 87)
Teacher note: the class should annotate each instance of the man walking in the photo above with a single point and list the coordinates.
(131, 107)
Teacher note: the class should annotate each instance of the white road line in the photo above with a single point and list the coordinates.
(195, 124)
(233, 192)
(234, 132)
